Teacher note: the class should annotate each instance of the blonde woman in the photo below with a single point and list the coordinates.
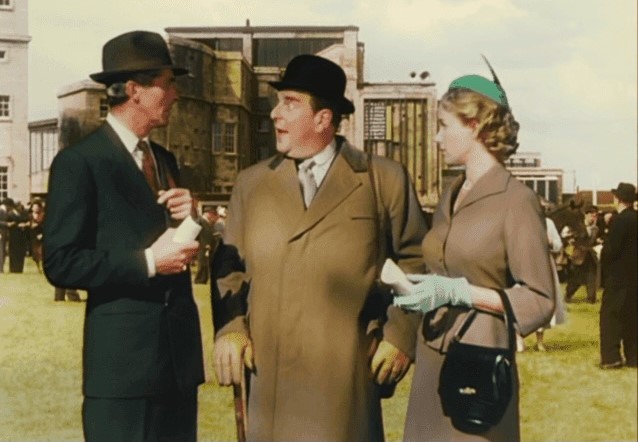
(488, 234)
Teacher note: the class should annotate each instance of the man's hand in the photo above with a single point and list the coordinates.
(389, 364)
(171, 257)
(178, 202)
(231, 352)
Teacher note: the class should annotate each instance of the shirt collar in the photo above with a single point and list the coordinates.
(324, 156)
(128, 138)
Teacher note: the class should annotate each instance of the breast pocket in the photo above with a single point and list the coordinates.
(360, 211)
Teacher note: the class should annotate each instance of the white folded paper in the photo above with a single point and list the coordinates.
(392, 275)
(186, 231)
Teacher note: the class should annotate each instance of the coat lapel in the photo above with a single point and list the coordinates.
(493, 182)
(284, 184)
(340, 181)
(128, 177)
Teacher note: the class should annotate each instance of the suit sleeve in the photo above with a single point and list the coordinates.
(614, 243)
(71, 258)
(230, 282)
(527, 249)
(406, 230)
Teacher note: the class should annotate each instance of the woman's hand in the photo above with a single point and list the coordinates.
(430, 292)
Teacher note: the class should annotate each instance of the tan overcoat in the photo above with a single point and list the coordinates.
(311, 277)
(495, 239)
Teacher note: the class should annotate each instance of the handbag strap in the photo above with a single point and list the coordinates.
(508, 316)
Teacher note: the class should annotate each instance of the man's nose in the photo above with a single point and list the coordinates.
(274, 113)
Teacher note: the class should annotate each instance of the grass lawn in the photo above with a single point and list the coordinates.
(564, 396)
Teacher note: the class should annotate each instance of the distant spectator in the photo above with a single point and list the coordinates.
(583, 260)
(4, 230)
(208, 240)
(35, 232)
(18, 223)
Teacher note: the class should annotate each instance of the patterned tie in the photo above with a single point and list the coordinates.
(148, 166)
(307, 180)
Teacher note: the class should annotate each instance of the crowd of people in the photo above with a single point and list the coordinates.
(20, 233)
(294, 266)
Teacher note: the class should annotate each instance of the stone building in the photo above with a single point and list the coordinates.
(14, 134)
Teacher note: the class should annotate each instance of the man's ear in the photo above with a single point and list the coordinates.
(323, 119)
(132, 89)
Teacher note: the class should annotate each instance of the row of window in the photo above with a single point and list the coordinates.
(5, 106)
(44, 144)
(4, 182)
(6, 4)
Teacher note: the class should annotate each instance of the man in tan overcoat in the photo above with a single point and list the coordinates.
(294, 291)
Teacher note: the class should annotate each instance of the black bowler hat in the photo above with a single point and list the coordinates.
(134, 52)
(319, 77)
(625, 192)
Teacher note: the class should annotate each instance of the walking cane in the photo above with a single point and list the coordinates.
(241, 415)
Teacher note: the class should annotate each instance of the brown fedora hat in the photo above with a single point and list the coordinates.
(134, 52)
(319, 77)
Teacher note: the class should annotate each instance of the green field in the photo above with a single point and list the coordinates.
(564, 395)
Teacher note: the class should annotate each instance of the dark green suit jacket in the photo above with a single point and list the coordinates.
(141, 334)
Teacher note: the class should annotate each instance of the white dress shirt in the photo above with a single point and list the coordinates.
(322, 161)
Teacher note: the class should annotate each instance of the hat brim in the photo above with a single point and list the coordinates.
(626, 196)
(344, 105)
(113, 76)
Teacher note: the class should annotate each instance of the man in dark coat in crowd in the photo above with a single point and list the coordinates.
(4, 230)
(619, 257)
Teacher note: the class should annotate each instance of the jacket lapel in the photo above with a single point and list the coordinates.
(128, 177)
(493, 182)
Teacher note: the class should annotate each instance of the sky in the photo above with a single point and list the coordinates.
(569, 67)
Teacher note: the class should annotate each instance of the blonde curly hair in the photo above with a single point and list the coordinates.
(497, 128)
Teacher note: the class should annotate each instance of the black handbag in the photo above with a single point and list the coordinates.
(476, 383)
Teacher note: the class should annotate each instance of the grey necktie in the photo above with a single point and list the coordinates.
(307, 180)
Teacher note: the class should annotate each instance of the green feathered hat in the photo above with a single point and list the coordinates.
(481, 85)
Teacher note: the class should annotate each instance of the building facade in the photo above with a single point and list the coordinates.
(14, 133)
(546, 182)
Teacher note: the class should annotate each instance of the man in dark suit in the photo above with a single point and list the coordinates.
(618, 310)
(208, 239)
(4, 230)
(112, 199)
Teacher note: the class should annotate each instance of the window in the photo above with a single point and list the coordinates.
(6, 4)
(224, 139)
(279, 51)
(49, 148)
(5, 106)
(229, 138)
(217, 137)
(4, 182)
(4, 54)
(104, 108)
